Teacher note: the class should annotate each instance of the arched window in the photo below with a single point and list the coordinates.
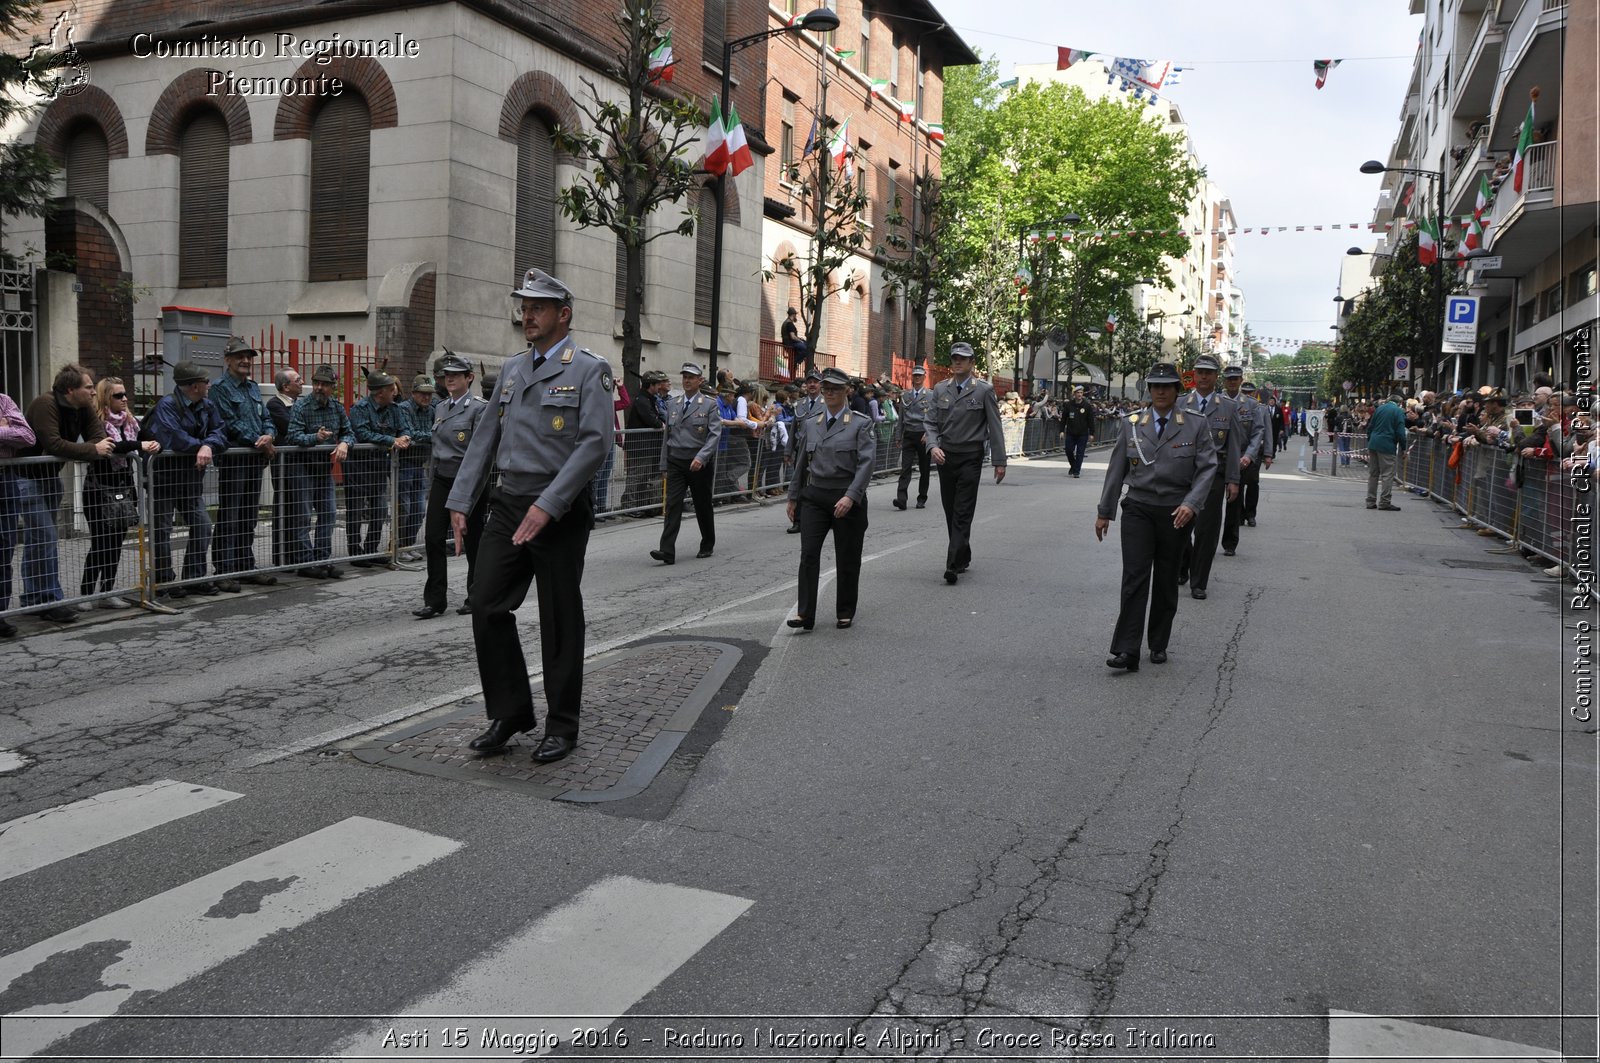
(536, 195)
(89, 165)
(203, 202)
(705, 261)
(340, 141)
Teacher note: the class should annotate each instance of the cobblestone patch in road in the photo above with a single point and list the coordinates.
(638, 705)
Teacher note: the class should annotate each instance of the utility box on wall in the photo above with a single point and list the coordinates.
(192, 334)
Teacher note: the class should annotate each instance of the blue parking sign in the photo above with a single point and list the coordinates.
(1462, 310)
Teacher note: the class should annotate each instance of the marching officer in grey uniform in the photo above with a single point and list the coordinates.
(1167, 459)
(1226, 429)
(914, 406)
(806, 409)
(829, 491)
(456, 418)
(1252, 443)
(1250, 490)
(548, 429)
(963, 413)
(688, 457)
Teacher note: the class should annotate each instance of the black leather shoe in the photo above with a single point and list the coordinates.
(794, 529)
(61, 614)
(427, 612)
(1130, 661)
(844, 622)
(260, 580)
(922, 503)
(495, 738)
(1391, 509)
(208, 589)
(314, 572)
(665, 559)
(805, 622)
(8, 630)
(553, 748)
(1251, 523)
(362, 562)
(464, 609)
(1227, 551)
(1158, 656)
(950, 575)
(1197, 593)
(1372, 505)
(899, 503)
(332, 572)
(1183, 577)
(229, 586)
(703, 554)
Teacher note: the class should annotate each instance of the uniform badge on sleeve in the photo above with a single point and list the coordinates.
(606, 381)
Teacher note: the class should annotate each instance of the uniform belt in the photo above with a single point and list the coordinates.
(830, 483)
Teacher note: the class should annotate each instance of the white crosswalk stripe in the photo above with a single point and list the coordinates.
(167, 939)
(32, 842)
(595, 956)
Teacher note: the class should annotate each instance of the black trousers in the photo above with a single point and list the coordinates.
(958, 493)
(1151, 548)
(1200, 544)
(366, 507)
(913, 456)
(553, 561)
(1233, 514)
(1076, 444)
(681, 479)
(437, 541)
(849, 535)
(105, 537)
(1250, 490)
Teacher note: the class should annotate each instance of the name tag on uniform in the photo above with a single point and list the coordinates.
(1179, 446)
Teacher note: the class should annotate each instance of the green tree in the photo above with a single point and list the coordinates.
(1396, 316)
(916, 230)
(1134, 349)
(26, 172)
(635, 155)
(1022, 162)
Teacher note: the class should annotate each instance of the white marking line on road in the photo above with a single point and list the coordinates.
(167, 939)
(11, 760)
(595, 956)
(1355, 1036)
(417, 708)
(31, 842)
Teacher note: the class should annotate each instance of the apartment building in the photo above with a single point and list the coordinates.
(1478, 65)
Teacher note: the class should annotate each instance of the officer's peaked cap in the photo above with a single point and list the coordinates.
(961, 350)
(837, 377)
(453, 363)
(691, 369)
(1233, 371)
(537, 284)
(1205, 361)
(1163, 373)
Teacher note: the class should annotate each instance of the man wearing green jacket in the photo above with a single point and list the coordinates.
(1386, 441)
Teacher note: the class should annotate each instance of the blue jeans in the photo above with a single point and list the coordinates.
(311, 487)
(1344, 449)
(180, 495)
(36, 503)
(602, 482)
(413, 501)
(1075, 448)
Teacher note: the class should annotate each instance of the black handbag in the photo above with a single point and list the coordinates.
(112, 504)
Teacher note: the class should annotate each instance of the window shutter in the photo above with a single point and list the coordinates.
(340, 141)
(89, 166)
(536, 195)
(705, 238)
(203, 203)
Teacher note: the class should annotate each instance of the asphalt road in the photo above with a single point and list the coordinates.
(951, 830)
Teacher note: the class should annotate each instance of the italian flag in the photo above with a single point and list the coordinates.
(839, 144)
(1485, 196)
(907, 110)
(1475, 233)
(880, 87)
(936, 132)
(716, 141)
(739, 158)
(1111, 322)
(1524, 141)
(661, 60)
(1427, 242)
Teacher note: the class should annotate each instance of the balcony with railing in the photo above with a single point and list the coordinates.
(1468, 162)
(1475, 85)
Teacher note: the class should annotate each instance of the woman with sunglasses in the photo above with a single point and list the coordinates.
(108, 476)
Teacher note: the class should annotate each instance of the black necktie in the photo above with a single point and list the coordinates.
(1161, 426)
(1202, 404)
(832, 419)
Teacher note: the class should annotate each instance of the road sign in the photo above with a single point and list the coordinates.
(1402, 369)
(1484, 263)
(1460, 324)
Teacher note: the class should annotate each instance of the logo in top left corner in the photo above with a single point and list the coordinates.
(55, 68)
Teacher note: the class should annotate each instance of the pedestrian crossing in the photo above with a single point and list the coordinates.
(595, 955)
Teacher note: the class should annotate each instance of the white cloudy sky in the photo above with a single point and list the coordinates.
(1284, 152)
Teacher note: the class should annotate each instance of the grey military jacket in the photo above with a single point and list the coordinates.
(1175, 470)
(806, 409)
(840, 456)
(1227, 429)
(548, 430)
(692, 433)
(453, 429)
(1252, 417)
(914, 409)
(965, 420)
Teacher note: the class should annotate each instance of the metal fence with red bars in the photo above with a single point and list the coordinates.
(275, 350)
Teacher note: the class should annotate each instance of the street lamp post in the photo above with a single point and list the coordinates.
(821, 20)
(1436, 326)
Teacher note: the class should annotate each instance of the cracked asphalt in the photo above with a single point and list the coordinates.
(961, 833)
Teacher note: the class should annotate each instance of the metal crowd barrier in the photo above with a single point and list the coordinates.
(1535, 515)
